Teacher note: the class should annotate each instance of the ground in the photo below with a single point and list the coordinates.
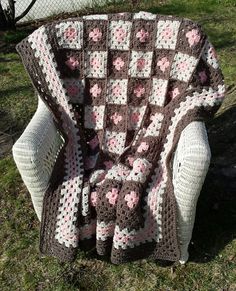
(212, 263)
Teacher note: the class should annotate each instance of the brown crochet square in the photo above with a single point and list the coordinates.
(118, 64)
(161, 63)
(95, 91)
(95, 35)
(70, 62)
(116, 116)
(143, 35)
(138, 91)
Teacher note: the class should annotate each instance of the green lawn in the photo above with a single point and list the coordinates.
(212, 264)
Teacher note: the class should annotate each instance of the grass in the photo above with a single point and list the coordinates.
(212, 264)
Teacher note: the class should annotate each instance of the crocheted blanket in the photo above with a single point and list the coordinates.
(121, 88)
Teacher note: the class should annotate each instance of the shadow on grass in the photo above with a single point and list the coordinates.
(215, 224)
(10, 38)
(13, 91)
(16, 110)
(223, 39)
(8, 60)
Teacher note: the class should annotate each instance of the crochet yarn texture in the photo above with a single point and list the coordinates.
(121, 88)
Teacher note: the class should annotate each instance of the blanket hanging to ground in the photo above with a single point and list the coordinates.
(121, 88)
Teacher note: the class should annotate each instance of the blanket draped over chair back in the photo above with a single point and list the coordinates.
(121, 87)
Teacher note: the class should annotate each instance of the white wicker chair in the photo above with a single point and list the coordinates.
(36, 150)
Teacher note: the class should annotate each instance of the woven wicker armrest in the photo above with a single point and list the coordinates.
(35, 153)
(191, 162)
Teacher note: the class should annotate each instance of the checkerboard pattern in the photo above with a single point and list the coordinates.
(120, 64)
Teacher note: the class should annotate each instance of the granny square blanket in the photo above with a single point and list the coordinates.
(121, 87)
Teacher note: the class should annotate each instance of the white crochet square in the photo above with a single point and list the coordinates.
(119, 35)
(158, 92)
(118, 172)
(70, 34)
(167, 32)
(182, 67)
(154, 127)
(74, 89)
(141, 168)
(144, 15)
(117, 91)
(140, 64)
(209, 55)
(135, 116)
(94, 116)
(114, 142)
(96, 17)
(95, 64)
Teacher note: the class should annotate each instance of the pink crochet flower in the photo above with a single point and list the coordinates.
(135, 117)
(203, 77)
(93, 198)
(108, 164)
(94, 143)
(116, 118)
(163, 64)
(118, 63)
(112, 142)
(95, 34)
(117, 90)
(120, 34)
(95, 63)
(73, 90)
(72, 63)
(142, 35)
(70, 33)
(95, 116)
(182, 66)
(95, 90)
(132, 199)
(143, 147)
(141, 64)
(139, 166)
(167, 33)
(123, 172)
(112, 196)
(174, 93)
(139, 90)
(193, 37)
(102, 176)
(130, 160)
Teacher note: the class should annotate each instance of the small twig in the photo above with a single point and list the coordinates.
(230, 89)
(4, 132)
